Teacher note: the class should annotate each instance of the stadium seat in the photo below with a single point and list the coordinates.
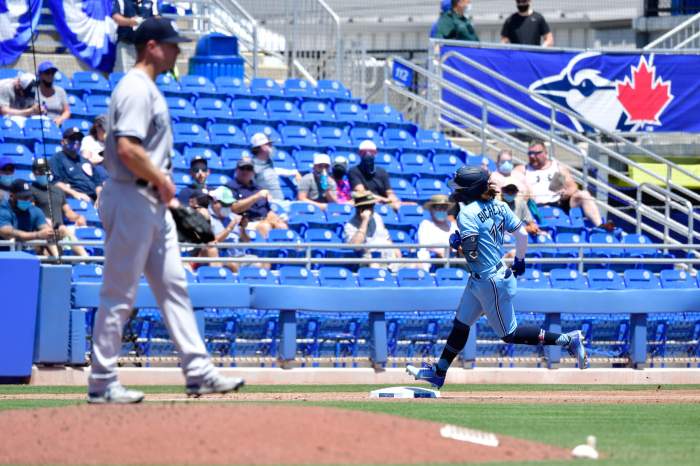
(399, 237)
(403, 189)
(368, 277)
(231, 155)
(396, 138)
(416, 165)
(447, 276)
(351, 113)
(284, 236)
(641, 239)
(679, 279)
(86, 273)
(90, 82)
(335, 90)
(296, 276)
(265, 87)
(604, 238)
(387, 214)
(42, 130)
(91, 234)
(199, 86)
(256, 276)
(415, 278)
(271, 133)
(46, 150)
(317, 113)
(385, 114)
(445, 164)
(170, 87)
(77, 106)
(330, 136)
(20, 154)
(389, 163)
(641, 279)
(97, 104)
(337, 277)
(569, 238)
(248, 110)
(285, 111)
(218, 179)
(605, 279)
(423, 343)
(82, 125)
(227, 135)
(339, 214)
(299, 136)
(533, 278)
(426, 139)
(411, 215)
(282, 159)
(231, 87)
(191, 152)
(568, 279)
(427, 187)
(182, 111)
(214, 110)
(210, 274)
(189, 134)
(299, 89)
(304, 160)
(357, 135)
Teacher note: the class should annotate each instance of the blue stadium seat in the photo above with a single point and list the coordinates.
(190, 134)
(304, 160)
(369, 277)
(89, 82)
(401, 237)
(231, 155)
(347, 112)
(180, 164)
(297, 276)
(412, 214)
(351, 156)
(91, 234)
(533, 278)
(20, 154)
(330, 136)
(553, 218)
(330, 89)
(182, 180)
(569, 238)
(481, 161)
(227, 135)
(317, 113)
(97, 104)
(46, 150)
(249, 110)
(231, 87)
(605, 279)
(282, 159)
(210, 274)
(218, 179)
(256, 276)
(77, 106)
(448, 276)
(357, 135)
(339, 214)
(303, 215)
(42, 130)
(82, 125)
(424, 343)
(641, 279)
(86, 273)
(635, 239)
(284, 236)
(9, 73)
(416, 165)
(213, 109)
(182, 111)
(337, 277)
(323, 235)
(199, 86)
(568, 279)
(604, 238)
(265, 87)
(389, 163)
(271, 133)
(299, 89)
(387, 214)
(426, 139)
(60, 79)
(191, 152)
(285, 111)
(415, 278)
(300, 136)
(397, 138)
(385, 114)
(403, 189)
(445, 164)
(677, 279)
(115, 77)
(427, 187)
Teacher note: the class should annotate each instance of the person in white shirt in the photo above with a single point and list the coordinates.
(226, 226)
(436, 229)
(93, 145)
(367, 227)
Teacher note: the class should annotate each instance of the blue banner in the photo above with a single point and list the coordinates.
(87, 29)
(18, 20)
(629, 92)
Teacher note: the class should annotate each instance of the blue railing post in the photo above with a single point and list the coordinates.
(638, 339)
(288, 335)
(552, 323)
(378, 339)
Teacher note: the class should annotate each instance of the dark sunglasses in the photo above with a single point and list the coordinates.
(535, 152)
(200, 170)
(246, 169)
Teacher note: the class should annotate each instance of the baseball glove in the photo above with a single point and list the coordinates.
(192, 227)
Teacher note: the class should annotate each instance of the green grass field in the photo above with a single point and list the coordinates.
(628, 434)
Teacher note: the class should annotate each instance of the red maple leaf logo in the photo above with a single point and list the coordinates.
(644, 97)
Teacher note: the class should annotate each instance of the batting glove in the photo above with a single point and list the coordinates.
(455, 240)
(518, 267)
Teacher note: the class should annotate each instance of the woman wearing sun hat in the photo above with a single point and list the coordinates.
(436, 229)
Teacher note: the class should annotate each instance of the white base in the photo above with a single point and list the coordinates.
(404, 392)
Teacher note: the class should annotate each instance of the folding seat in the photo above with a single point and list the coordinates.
(214, 110)
(423, 343)
(97, 104)
(350, 113)
(330, 136)
(191, 152)
(387, 214)
(357, 135)
(303, 215)
(20, 154)
(188, 134)
(317, 113)
(89, 82)
(336, 277)
(304, 160)
(369, 277)
(339, 214)
(299, 89)
(323, 235)
(411, 216)
(114, 78)
(553, 218)
(91, 234)
(426, 139)
(641, 279)
(77, 106)
(606, 239)
(182, 111)
(445, 164)
(42, 131)
(248, 110)
(533, 278)
(227, 135)
(210, 274)
(403, 189)
(296, 276)
(400, 237)
(271, 133)
(605, 279)
(199, 86)
(389, 163)
(570, 238)
(639, 239)
(256, 276)
(86, 273)
(414, 164)
(415, 278)
(385, 114)
(448, 276)
(231, 155)
(282, 159)
(429, 187)
(46, 150)
(569, 279)
(299, 136)
(481, 161)
(170, 87)
(397, 138)
(83, 125)
(218, 179)
(350, 155)
(231, 87)
(285, 111)
(335, 90)
(267, 88)
(677, 279)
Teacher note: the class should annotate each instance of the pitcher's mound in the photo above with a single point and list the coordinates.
(215, 433)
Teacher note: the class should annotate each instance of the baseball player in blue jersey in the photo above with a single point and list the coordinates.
(482, 222)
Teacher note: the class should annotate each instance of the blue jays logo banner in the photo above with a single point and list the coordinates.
(87, 29)
(628, 92)
(18, 20)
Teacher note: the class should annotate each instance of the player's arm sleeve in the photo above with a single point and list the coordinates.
(469, 234)
(512, 222)
(520, 236)
(133, 115)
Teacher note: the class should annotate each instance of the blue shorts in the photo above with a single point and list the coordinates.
(492, 296)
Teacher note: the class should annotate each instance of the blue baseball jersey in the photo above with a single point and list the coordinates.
(488, 220)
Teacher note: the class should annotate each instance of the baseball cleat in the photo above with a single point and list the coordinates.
(427, 373)
(217, 384)
(577, 350)
(116, 394)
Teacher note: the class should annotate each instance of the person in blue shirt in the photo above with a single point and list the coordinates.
(196, 195)
(21, 220)
(482, 223)
(73, 174)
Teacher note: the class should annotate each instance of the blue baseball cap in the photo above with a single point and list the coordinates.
(5, 161)
(46, 66)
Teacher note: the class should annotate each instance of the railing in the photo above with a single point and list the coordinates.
(684, 36)
(674, 7)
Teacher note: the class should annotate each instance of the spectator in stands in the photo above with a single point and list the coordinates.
(527, 27)
(197, 194)
(227, 226)
(445, 6)
(512, 194)
(93, 145)
(339, 171)
(253, 202)
(73, 174)
(267, 176)
(128, 14)
(7, 176)
(17, 97)
(54, 206)
(366, 177)
(318, 187)
(436, 229)
(454, 24)
(21, 220)
(52, 99)
(504, 170)
(551, 184)
(367, 227)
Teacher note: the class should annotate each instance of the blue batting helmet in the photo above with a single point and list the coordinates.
(470, 182)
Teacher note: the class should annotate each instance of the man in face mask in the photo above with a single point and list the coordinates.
(504, 169)
(366, 177)
(511, 194)
(226, 226)
(17, 96)
(21, 220)
(318, 187)
(52, 98)
(339, 172)
(436, 229)
(526, 27)
(454, 23)
(73, 174)
(52, 202)
(7, 176)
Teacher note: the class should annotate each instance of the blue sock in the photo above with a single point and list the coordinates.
(442, 365)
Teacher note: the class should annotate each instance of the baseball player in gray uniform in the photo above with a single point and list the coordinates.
(140, 232)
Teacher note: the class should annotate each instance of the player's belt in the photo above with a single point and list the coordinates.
(498, 267)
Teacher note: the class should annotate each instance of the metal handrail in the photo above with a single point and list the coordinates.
(676, 30)
(339, 38)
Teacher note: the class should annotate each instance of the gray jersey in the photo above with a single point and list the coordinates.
(138, 110)
(54, 105)
(8, 97)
